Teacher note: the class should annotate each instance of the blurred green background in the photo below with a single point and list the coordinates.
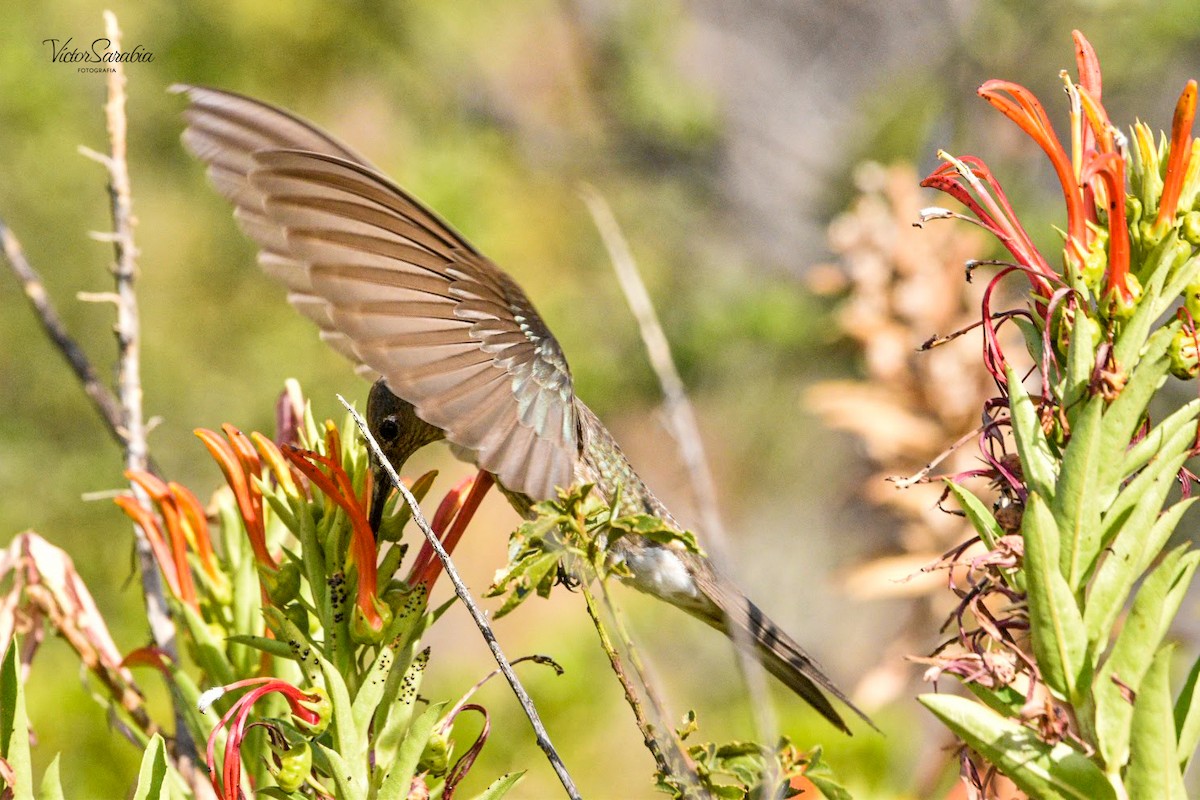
(723, 135)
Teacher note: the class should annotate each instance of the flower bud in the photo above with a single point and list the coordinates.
(317, 703)
(295, 765)
(1190, 227)
(1185, 359)
(435, 759)
(362, 630)
(282, 584)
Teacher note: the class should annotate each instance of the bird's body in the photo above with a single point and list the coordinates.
(459, 349)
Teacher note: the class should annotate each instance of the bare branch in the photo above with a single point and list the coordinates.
(129, 381)
(52, 323)
(464, 594)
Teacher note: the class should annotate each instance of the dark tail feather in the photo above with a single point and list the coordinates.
(787, 661)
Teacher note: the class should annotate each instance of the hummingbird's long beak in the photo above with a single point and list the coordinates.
(381, 487)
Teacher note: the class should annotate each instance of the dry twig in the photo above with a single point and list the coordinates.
(464, 594)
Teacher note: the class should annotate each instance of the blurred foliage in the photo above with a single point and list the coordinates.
(492, 114)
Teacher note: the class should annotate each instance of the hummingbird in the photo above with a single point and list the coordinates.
(457, 349)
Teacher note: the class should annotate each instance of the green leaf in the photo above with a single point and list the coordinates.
(14, 724)
(351, 746)
(331, 763)
(1081, 360)
(1037, 461)
(1156, 478)
(1032, 334)
(1003, 699)
(1134, 332)
(1153, 442)
(1075, 505)
(1128, 557)
(977, 513)
(51, 787)
(1125, 413)
(500, 786)
(272, 646)
(209, 651)
(1153, 766)
(1155, 606)
(1187, 718)
(399, 776)
(152, 777)
(1038, 769)
(398, 704)
(1055, 622)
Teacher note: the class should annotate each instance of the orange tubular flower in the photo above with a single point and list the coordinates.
(1109, 168)
(238, 462)
(197, 522)
(154, 534)
(337, 487)
(161, 494)
(1024, 109)
(1181, 150)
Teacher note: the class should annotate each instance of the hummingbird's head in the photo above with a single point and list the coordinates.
(400, 432)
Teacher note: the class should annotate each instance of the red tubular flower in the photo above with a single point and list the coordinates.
(458, 505)
(1181, 150)
(336, 485)
(969, 181)
(238, 462)
(309, 710)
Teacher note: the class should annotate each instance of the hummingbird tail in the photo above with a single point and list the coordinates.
(781, 656)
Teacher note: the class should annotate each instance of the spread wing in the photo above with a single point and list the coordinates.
(394, 288)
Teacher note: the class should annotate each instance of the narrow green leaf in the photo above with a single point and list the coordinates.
(1154, 607)
(262, 643)
(1156, 477)
(1153, 768)
(209, 651)
(1075, 505)
(1032, 334)
(14, 724)
(1004, 699)
(152, 777)
(351, 746)
(1037, 462)
(399, 776)
(1128, 557)
(1152, 443)
(1038, 769)
(1187, 718)
(51, 788)
(371, 690)
(348, 786)
(500, 786)
(1153, 300)
(978, 514)
(1125, 413)
(1055, 622)
(1081, 360)
(396, 709)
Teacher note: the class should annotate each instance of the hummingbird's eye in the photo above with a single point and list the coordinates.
(388, 429)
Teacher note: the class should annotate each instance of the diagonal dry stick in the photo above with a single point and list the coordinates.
(464, 594)
(682, 419)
